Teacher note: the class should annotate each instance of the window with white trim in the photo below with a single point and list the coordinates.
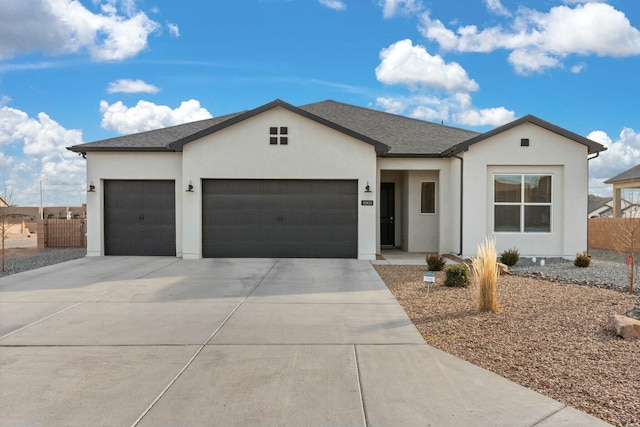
(428, 198)
(522, 203)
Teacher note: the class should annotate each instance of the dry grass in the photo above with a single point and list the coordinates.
(549, 337)
(485, 276)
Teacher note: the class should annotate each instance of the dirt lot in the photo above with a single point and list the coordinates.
(550, 337)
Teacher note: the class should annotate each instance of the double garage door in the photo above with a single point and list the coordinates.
(280, 218)
(240, 218)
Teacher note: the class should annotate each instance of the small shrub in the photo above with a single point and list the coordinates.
(435, 262)
(510, 257)
(582, 259)
(457, 276)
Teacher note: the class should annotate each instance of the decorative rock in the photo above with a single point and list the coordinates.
(635, 312)
(624, 326)
(504, 269)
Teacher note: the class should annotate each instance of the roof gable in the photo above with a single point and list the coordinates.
(379, 146)
(592, 146)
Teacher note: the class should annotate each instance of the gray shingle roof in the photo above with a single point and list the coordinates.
(390, 134)
(153, 140)
(595, 202)
(629, 174)
(403, 135)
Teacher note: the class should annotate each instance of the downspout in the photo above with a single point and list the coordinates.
(461, 198)
(588, 159)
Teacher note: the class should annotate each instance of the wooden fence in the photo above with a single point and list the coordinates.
(62, 233)
(614, 233)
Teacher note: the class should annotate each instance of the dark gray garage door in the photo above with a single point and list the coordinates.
(139, 218)
(280, 218)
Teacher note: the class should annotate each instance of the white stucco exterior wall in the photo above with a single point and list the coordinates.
(314, 151)
(103, 166)
(548, 153)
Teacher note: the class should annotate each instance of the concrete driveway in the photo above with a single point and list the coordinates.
(149, 341)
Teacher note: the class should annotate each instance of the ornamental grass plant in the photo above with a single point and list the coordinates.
(486, 273)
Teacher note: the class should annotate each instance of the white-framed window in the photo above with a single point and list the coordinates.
(428, 197)
(522, 203)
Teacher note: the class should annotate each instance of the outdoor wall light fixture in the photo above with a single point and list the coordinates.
(367, 189)
(92, 188)
(189, 187)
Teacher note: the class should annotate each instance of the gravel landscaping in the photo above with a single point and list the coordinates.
(608, 270)
(22, 259)
(549, 336)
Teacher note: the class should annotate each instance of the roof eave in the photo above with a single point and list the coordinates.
(413, 155)
(84, 149)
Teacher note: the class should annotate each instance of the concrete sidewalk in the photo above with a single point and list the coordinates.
(150, 341)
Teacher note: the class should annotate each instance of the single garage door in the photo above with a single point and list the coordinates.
(139, 218)
(280, 218)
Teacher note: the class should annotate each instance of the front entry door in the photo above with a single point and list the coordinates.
(387, 214)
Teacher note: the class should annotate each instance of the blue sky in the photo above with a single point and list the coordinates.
(80, 71)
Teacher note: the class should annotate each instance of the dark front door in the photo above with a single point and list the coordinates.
(279, 218)
(387, 214)
(139, 218)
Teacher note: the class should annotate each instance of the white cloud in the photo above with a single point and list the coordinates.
(5, 161)
(404, 63)
(456, 108)
(391, 105)
(57, 27)
(334, 4)
(539, 41)
(148, 116)
(497, 7)
(174, 30)
(621, 154)
(578, 68)
(485, 116)
(440, 90)
(391, 8)
(131, 86)
(38, 147)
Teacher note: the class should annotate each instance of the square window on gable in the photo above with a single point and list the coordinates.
(277, 133)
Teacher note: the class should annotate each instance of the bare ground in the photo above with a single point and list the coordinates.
(549, 337)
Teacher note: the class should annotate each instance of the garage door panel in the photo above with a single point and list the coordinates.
(139, 217)
(280, 218)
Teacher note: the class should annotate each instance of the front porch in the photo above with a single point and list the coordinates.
(417, 207)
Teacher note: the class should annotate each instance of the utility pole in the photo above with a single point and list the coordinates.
(41, 208)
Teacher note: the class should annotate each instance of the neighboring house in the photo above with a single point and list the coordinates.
(602, 207)
(3, 202)
(336, 180)
(627, 180)
(599, 206)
